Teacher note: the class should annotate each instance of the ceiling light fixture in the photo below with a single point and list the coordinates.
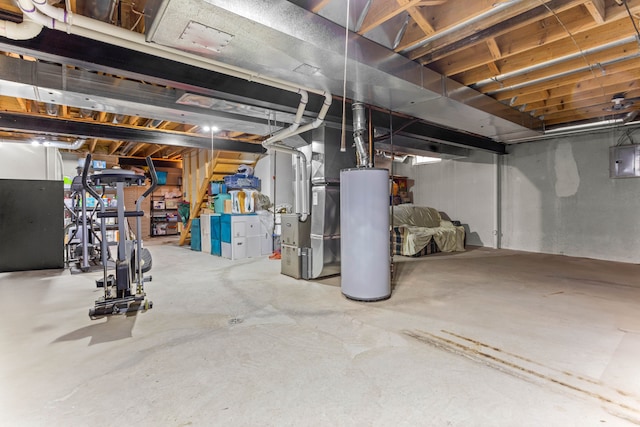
(423, 160)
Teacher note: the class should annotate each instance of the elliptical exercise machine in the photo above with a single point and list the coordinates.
(82, 251)
(120, 295)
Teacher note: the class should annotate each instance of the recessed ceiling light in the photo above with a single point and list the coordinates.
(422, 160)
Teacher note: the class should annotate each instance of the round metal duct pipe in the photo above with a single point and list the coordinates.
(359, 131)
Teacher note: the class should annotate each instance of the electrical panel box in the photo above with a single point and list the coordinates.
(624, 161)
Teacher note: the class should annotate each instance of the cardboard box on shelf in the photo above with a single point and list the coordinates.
(172, 203)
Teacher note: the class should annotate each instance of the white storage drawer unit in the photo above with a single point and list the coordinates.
(205, 233)
(241, 236)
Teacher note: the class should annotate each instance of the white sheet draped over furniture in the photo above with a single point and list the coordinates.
(416, 227)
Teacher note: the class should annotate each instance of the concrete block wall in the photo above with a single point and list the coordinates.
(558, 198)
(554, 196)
(464, 189)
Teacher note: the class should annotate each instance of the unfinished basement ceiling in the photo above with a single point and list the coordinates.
(455, 73)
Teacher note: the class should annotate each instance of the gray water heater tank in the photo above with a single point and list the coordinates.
(364, 223)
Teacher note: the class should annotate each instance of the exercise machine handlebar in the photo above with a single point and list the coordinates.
(85, 182)
(154, 177)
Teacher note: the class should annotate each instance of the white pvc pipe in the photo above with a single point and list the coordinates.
(52, 144)
(497, 195)
(59, 144)
(100, 31)
(26, 30)
(90, 28)
(29, 11)
(271, 144)
(300, 179)
(288, 132)
(296, 184)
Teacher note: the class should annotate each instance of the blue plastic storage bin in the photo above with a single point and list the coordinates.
(241, 181)
(217, 187)
(162, 177)
(196, 244)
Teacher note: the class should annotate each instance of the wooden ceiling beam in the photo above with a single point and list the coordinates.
(171, 151)
(513, 45)
(381, 11)
(419, 16)
(525, 24)
(153, 149)
(580, 83)
(137, 148)
(453, 14)
(494, 68)
(532, 37)
(179, 154)
(113, 147)
(22, 103)
(563, 68)
(316, 6)
(573, 108)
(597, 9)
(630, 89)
(614, 32)
(496, 52)
(594, 112)
(92, 145)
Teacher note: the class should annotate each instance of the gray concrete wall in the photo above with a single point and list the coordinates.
(465, 189)
(558, 198)
(25, 161)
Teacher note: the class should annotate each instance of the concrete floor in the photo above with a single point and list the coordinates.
(481, 338)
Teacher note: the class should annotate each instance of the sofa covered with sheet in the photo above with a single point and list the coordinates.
(421, 230)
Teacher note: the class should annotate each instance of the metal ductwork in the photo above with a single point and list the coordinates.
(86, 113)
(64, 145)
(279, 38)
(359, 132)
(46, 143)
(100, 10)
(52, 109)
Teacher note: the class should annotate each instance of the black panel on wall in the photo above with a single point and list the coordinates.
(31, 224)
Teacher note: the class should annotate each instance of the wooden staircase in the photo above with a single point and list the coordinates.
(223, 164)
(196, 208)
